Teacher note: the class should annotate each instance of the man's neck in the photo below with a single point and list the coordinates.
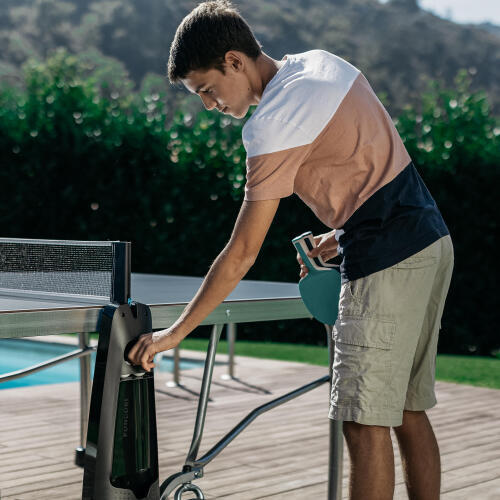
(266, 68)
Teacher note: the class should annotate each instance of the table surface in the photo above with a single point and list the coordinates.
(22, 315)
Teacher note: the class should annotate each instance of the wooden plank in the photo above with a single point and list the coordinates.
(488, 490)
(283, 454)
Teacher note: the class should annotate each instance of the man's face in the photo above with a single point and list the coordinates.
(230, 92)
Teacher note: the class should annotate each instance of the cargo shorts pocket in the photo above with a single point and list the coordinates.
(362, 362)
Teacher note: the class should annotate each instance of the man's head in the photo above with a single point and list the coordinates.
(213, 54)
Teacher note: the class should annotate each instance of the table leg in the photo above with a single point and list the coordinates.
(85, 388)
(177, 369)
(231, 339)
(204, 394)
(336, 448)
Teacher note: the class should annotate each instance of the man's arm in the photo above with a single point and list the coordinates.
(230, 266)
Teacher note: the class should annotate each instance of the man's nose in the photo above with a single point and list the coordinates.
(209, 103)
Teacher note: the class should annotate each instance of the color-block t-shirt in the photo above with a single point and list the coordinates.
(320, 132)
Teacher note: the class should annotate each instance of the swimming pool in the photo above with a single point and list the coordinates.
(16, 354)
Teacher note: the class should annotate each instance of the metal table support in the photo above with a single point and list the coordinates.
(193, 466)
(85, 392)
(336, 448)
(231, 340)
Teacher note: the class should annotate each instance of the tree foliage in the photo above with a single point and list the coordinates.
(85, 157)
(397, 45)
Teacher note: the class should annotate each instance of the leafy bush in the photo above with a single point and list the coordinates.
(85, 157)
(455, 142)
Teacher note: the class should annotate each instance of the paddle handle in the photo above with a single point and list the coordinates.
(304, 243)
(300, 246)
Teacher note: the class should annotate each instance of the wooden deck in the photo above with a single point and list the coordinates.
(282, 455)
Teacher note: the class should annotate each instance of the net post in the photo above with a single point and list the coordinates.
(120, 282)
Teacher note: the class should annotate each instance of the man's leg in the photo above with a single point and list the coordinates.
(372, 461)
(420, 456)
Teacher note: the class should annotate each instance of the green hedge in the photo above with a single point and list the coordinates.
(85, 157)
(456, 144)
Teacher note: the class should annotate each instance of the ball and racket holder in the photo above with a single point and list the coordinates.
(121, 454)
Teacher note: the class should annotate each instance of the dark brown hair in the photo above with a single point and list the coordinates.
(205, 35)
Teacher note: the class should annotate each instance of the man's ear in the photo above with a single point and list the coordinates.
(234, 60)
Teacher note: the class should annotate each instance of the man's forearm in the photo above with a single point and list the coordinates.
(225, 273)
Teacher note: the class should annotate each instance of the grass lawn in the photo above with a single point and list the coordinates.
(472, 370)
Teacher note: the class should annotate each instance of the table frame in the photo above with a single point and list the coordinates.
(84, 320)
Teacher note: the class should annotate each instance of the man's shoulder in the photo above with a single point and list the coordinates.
(297, 105)
(319, 56)
(270, 134)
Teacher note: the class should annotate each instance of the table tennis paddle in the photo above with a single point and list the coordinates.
(320, 289)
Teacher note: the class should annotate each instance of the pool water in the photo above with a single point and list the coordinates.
(17, 354)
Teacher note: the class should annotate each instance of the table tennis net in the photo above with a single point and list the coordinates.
(57, 268)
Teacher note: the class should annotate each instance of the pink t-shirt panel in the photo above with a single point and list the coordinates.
(358, 152)
(332, 143)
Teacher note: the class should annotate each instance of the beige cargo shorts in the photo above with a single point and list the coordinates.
(386, 338)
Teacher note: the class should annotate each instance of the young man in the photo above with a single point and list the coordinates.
(320, 132)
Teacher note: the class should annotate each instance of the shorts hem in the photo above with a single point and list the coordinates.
(421, 405)
(366, 417)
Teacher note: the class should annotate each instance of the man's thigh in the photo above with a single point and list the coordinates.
(376, 336)
(420, 394)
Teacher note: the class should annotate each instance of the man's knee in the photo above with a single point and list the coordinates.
(412, 420)
(410, 416)
(359, 433)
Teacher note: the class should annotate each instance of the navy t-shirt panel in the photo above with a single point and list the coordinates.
(397, 221)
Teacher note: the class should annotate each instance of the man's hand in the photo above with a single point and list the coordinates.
(326, 248)
(149, 344)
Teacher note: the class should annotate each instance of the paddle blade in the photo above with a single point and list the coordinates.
(320, 289)
(320, 293)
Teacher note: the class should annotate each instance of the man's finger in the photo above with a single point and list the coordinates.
(314, 252)
(137, 349)
(138, 353)
(329, 255)
(147, 359)
(132, 353)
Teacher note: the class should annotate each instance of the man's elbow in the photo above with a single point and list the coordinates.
(242, 259)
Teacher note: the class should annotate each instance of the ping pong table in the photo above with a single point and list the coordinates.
(251, 301)
(25, 316)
